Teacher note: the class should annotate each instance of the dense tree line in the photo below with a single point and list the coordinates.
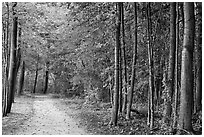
(124, 53)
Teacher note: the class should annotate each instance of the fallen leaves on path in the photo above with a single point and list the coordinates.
(46, 119)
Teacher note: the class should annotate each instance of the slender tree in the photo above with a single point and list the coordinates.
(198, 101)
(130, 92)
(18, 59)
(5, 64)
(150, 119)
(12, 66)
(186, 97)
(176, 69)
(110, 90)
(21, 78)
(114, 116)
(120, 77)
(36, 75)
(171, 69)
(46, 77)
(124, 62)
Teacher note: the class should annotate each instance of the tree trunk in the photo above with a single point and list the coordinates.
(150, 119)
(114, 117)
(198, 101)
(46, 78)
(171, 69)
(125, 64)
(176, 70)
(12, 66)
(36, 76)
(120, 79)
(5, 65)
(4, 77)
(186, 98)
(162, 67)
(18, 60)
(111, 90)
(21, 79)
(130, 92)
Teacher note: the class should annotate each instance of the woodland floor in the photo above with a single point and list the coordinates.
(51, 115)
(40, 115)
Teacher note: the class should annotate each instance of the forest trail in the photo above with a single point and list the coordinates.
(47, 119)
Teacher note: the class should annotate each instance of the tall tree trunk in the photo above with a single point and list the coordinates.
(46, 78)
(186, 98)
(12, 66)
(21, 79)
(4, 85)
(8, 39)
(124, 62)
(150, 119)
(130, 92)
(5, 90)
(171, 69)
(198, 101)
(5, 65)
(120, 79)
(36, 76)
(176, 69)
(18, 62)
(114, 117)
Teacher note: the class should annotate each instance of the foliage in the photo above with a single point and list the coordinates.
(75, 42)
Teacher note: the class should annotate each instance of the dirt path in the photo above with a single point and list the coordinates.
(47, 119)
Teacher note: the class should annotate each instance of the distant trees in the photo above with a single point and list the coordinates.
(36, 75)
(46, 78)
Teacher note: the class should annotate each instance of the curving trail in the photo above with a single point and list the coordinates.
(47, 119)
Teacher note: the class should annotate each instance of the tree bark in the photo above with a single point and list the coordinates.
(171, 69)
(5, 65)
(36, 76)
(114, 117)
(21, 79)
(12, 66)
(18, 62)
(111, 90)
(130, 92)
(124, 62)
(120, 78)
(46, 78)
(186, 98)
(150, 119)
(4, 77)
(198, 101)
(176, 69)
